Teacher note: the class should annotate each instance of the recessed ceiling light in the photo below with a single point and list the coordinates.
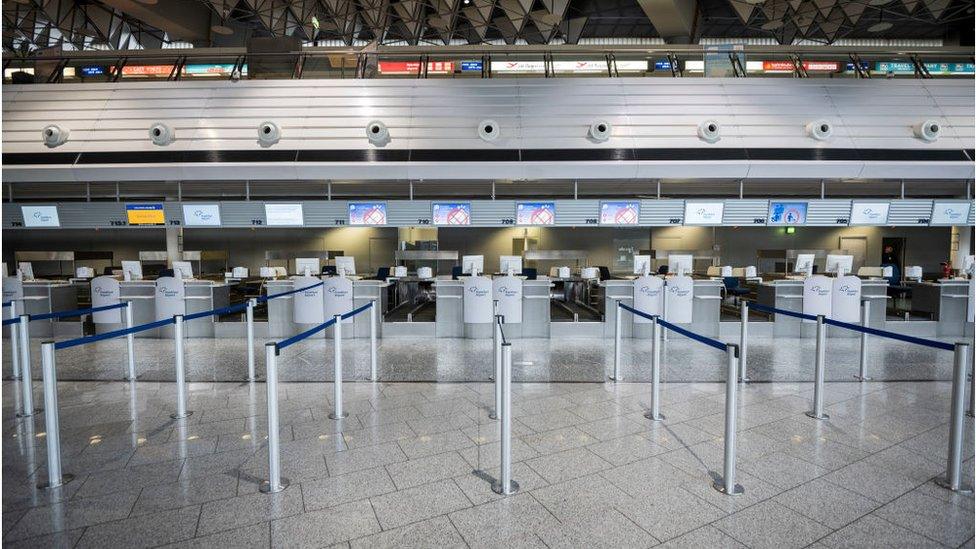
(222, 29)
(878, 27)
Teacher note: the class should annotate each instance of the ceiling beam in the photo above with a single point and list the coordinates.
(180, 19)
(674, 20)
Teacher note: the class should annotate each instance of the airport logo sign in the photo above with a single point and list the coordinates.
(165, 291)
(819, 290)
(505, 290)
(40, 216)
(678, 291)
(478, 292)
(651, 292)
(847, 290)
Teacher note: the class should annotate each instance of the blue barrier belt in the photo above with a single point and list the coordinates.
(222, 311)
(307, 333)
(355, 312)
(262, 299)
(78, 312)
(769, 309)
(699, 338)
(892, 335)
(109, 335)
(635, 311)
(9, 321)
(7, 303)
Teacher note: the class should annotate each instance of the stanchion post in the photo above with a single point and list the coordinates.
(51, 424)
(654, 414)
(14, 343)
(373, 376)
(505, 485)
(819, 371)
(972, 389)
(953, 478)
(275, 482)
(744, 341)
(130, 342)
(727, 484)
(862, 370)
(617, 324)
(496, 334)
(181, 411)
(337, 412)
(664, 311)
(249, 316)
(26, 380)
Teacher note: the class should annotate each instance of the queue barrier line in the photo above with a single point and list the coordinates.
(9, 321)
(262, 299)
(214, 312)
(7, 303)
(110, 335)
(356, 311)
(285, 343)
(78, 312)
(674, 328)
(794, 314)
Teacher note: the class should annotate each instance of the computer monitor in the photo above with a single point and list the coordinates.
(804, 263)
(968, 264)
(184, 268)
(268, 272)
(508, 263)
(642, 264)
(472, 264)
(134, 269)
(680, 263)
(346, 264)
(838, 263)
(310, 263)
(26, 270)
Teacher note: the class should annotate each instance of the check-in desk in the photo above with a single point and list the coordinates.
(281, 310)
(200, 296)
(449, 320)
(706, 309)
(874, 291)
(40, 297)
(946, 301)
(786, 295)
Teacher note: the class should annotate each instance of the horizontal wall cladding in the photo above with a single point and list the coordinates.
(530, 113)
(484, 213)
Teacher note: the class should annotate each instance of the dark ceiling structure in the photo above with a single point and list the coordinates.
(30, 25)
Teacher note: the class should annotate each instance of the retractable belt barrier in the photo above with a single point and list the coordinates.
(285, 343)
(9, 321)
(7, 303)
(78, 312)
(262, 299)
(216, 312)
(726, 484)
(109, 335)
(768, 309)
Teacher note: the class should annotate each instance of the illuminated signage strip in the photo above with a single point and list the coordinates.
(145, 214)
(899, 67)
(570, 67)
(413, 67)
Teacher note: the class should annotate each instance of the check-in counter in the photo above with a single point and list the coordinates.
(535, 310)
(705, 314)
(946, 301)
(786, 295)
(281, 310)
(40, 297)
(876, 292)
(200, 296)
(449, 321)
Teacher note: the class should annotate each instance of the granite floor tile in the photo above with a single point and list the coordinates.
(826, 503)
(332, 491)
(419, 503)
(933, 518)
(567, 465)
(706, 536)
(581, 498)
(73, 514)
(509, 517)
(255, 536)
(325, 527)
(249, 509)
(419, 471)
(143, 531)
(670, 512)
(364, 458)
(773, 526)
(872, 531)
(436, 532)
(608, 529)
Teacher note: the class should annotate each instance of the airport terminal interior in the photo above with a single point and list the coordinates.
(488, 273)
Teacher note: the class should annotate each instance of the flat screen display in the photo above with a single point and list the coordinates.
(535, 213)
(704, 213)
(367, 213)
(40, 216)
(787, 213)
(869, 213)
(950, 213)
(451, 213)
(284, 215)
(201, 215)
(620, 213)
(145, 214)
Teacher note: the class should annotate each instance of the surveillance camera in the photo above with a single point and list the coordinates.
(161, 134)
(710, 131)
(268, 134)
(600, 130)
(377, 133)
(821, 130)
(488, 130)
(928, 131)
(54, 135)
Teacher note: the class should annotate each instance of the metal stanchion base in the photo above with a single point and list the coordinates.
(737, 490)
(344, 415)
(32, 414)
(615, 378)
(862, 378)
(815, 416)
(178, 416)
(970, 414)
(650, 415)
(65, 479)
(745, 380)
(250, 379)
(497, 488)
(492, 415)
(944, 482)
(266, 487)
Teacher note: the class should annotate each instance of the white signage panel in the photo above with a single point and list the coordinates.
(308, 305)
(105, 291)
(170, 296)
(338, 297)
(13, 288)
(508, 294)
(817, 295)
(680, 292)
(869, 213)
(648, 297)
(40, 216)
(478, 297)
(201, 215)
(704, 213)
(950, 213)
(845, 302)
(284, 215)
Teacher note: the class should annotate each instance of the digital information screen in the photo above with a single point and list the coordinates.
(40, 216)
(201, 215)
(787, 213)
(619, 213)
(145, 214)
(869, 213)
(284, 215)
(450, 213)
(704, 213)
(535, 213)
(367, 213)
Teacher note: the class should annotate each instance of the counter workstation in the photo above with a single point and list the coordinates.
(531, 320)
(703, 309)
(946, 302)
(282, 314)
(199, 296)
(788, 294)
(43, 296)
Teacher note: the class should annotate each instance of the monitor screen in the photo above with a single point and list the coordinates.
(787, 213)
(145, 214)
(309, 263)
(367, 213)
(535, 213)
(450, 213)
(620, 213)
(510, 263)
(704, 213)
(284, 215)
(642, 263)
(40, 216)
(201, 215)
(472, 263)
(345, 264)
(836, 263)
(869, 213)
(804, 262)
(680, 263)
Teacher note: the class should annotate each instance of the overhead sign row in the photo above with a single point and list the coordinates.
(527, 213)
